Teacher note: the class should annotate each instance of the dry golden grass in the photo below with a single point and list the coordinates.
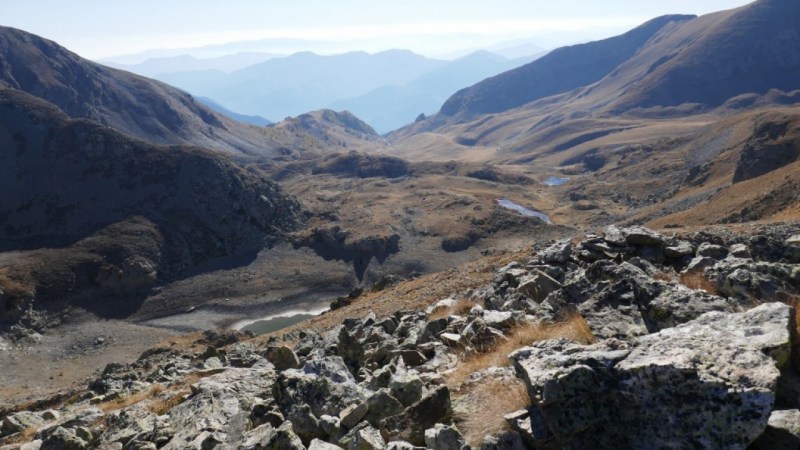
(22, 437)
(162, 406)
(460, 308)
(486, 404)
(13, 287)
(699, 281)
(124, 402)
(574, 327)
(665, 276)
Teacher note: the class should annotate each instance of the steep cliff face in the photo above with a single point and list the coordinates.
(89, 191)
(67, 178)
(775, 143)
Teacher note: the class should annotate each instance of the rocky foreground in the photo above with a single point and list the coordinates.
(628, 340)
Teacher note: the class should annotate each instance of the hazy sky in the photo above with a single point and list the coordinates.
(103, 28)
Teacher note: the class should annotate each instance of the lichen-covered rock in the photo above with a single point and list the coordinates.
(406, 386)
(322, 386)
(411, 424)
(681, 249)
(220, 407)
(380, 406)
(20, 421)
(265, 437)
(642, 236)
(614, 236)
(282, 357)
(318, 444)
(558, 253)
(712, 251)
(782, 433)
(507, 440)
(532, 427)
(127, 423)
(64, 439)
(618, 395)
(363, 437)
(538, 286)
(352, 415)
(444, 437)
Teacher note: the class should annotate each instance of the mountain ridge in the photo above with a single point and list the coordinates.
(559, 71)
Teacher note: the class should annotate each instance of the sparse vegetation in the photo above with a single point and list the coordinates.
(124, 402)
(22, 437)
(573, 327)
(487, 403)
(461, 307)
(162, 406)
(699, 281)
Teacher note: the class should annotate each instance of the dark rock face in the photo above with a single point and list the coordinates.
(337, 244)
(774, 144)
(122, 214)
(66, 179)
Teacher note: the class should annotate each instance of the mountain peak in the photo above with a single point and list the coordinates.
(559, 71)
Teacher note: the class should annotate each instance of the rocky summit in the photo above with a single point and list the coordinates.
(625, 339)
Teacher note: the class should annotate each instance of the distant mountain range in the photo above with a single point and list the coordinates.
(388, 89)
(393, 106)
(181, 63)
(148, 109)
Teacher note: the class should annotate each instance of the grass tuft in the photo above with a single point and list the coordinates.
(461, 307)
(574, 327)
(486, 404)
(698, 280)
(162, 406)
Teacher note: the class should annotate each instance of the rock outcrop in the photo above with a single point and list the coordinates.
(670, 366)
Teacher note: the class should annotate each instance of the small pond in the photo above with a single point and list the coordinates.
(277, 322)
(555, 181)
(527, 212)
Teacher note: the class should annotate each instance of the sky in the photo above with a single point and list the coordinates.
(99, 29)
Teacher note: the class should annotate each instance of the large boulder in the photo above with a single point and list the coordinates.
(282, 357)
(642, 236)
(322, 386)
(558, 253)
(411, 424)
(538, 286)
(220, 406)
(709, 383)
(444, 437)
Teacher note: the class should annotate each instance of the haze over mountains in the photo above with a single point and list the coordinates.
(387, 89)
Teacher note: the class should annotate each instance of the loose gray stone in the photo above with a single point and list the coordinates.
(444, 437)
(538, 286)
(282, 358)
